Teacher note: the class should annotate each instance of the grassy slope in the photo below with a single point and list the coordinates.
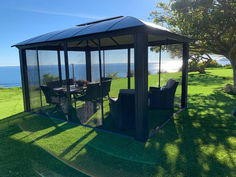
(10, 102)
(201, 141)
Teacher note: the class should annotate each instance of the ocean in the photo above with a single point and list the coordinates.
(10, 75)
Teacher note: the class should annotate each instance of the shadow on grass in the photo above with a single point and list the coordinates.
(19, 157)
(208, 136)
(201, 141)
(203, 79)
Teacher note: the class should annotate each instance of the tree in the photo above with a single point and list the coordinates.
(198, 60)
(47, 77)
(210, 23)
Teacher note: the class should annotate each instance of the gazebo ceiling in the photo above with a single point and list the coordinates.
(114, 25)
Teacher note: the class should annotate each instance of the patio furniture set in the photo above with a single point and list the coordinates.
(122, 108)
(55, 92)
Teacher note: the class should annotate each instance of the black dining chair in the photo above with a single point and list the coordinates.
(53, 97)
(163, 97)
(92, 93)
(106, 87)
(54, 84)
(70, 82)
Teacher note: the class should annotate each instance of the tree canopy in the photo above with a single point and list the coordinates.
(210, 23)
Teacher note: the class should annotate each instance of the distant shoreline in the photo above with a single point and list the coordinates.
(10, 75)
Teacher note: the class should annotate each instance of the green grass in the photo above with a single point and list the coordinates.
(201, 141)
(10, 102)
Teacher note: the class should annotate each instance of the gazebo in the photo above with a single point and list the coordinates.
(122, 32)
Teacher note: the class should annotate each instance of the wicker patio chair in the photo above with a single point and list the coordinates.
(163, 98)
(122, 109)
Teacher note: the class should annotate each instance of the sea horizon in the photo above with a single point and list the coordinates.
(10, 75)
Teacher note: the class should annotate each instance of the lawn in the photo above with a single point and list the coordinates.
(10, 102)
(200, 141)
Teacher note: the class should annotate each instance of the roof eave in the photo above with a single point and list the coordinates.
(100, 35)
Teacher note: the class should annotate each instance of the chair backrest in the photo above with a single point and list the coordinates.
(106, 86)
(93, 91)
(54, 84)
(170, 83)
(70, 82)
(163, 98)
(106, 78)
(171, 86)
(126, 92)
(82, 83)
(174, 87)
(47, 91)
(126, 101)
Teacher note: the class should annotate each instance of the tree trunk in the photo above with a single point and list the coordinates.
(234, 75)
(202, 68)
(232, 58)
(234, 70)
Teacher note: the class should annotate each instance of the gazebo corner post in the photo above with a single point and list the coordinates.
(104, 63)
(141, 85)
(100, 73)
(184, 93)
(128, 74)
(39, 78)
(88, 65)
(159, 70)
(59, 65)
(68, 114)
(24, 79)
(67, 70)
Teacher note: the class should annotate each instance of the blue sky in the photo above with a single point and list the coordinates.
(23, 19)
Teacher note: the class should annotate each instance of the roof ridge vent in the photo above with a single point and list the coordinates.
(94, 22)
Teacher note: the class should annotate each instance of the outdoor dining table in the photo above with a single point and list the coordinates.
(73, 89)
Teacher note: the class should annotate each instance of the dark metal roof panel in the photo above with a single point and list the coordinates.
(45, 37)
(106, 25)
(127, 22)
(68, 33)
(41, 38)
(99, 27)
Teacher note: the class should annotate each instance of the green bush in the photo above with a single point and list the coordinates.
(213, 64)
(113, 75)
(47, 77)
(228, 66)
(194, 66)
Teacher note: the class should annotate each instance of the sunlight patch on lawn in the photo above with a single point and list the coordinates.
(232, 141)
(172, 152)
(220, 153)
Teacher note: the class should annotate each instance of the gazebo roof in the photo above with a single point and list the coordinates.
(99, 27)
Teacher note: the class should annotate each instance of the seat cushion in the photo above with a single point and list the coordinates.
(163, 88)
